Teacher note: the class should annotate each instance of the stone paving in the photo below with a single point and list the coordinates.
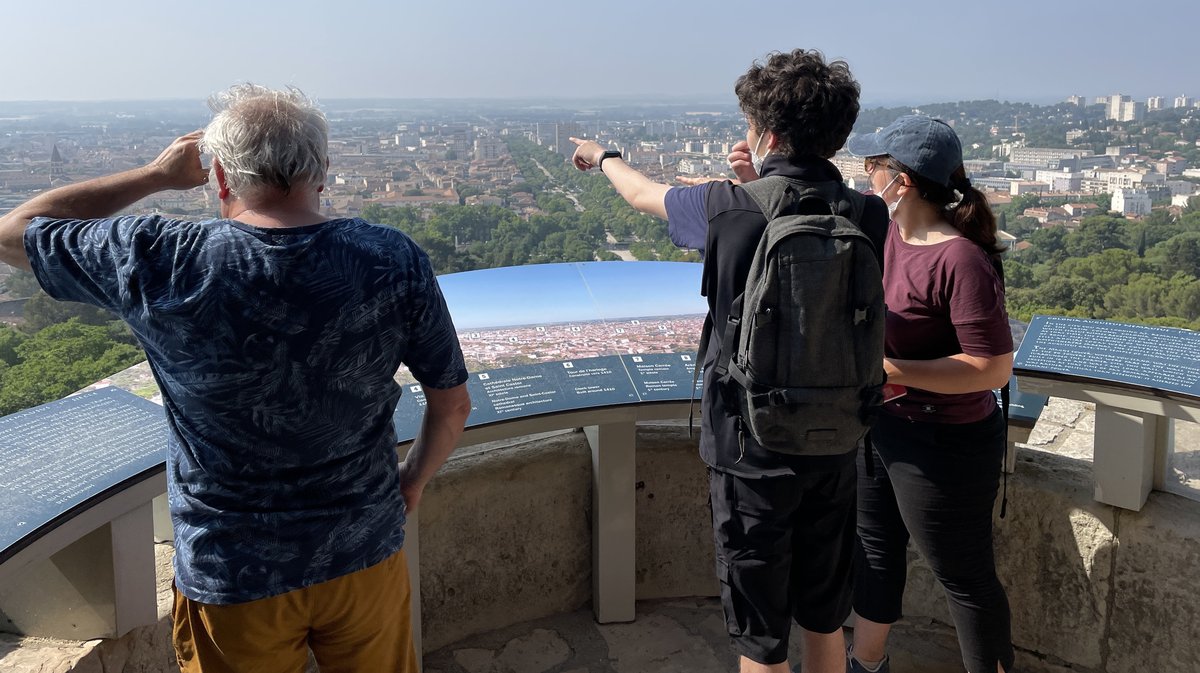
(669, 636)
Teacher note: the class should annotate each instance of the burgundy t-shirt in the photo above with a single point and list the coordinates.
(942, 299)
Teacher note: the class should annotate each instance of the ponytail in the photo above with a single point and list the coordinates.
(972, 216)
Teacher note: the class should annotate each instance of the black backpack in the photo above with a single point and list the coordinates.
(801, 360)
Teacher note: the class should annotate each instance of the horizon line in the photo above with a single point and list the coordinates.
(623, 98)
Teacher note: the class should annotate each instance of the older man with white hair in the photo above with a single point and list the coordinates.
(274, 333)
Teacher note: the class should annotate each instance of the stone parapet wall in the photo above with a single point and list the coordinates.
(506, 538)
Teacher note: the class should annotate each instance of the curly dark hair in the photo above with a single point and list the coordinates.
(809, 105)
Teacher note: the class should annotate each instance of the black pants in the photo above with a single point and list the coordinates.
(936, 483)
(785, 550)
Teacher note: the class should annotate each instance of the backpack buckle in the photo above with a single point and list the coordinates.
(862, 315)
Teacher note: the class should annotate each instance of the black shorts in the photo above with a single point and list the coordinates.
(785, 547)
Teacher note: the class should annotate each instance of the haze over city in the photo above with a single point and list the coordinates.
(902, 53)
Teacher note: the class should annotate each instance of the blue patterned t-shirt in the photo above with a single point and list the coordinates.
(275, 351)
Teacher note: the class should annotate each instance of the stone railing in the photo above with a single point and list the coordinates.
(1140, 379)
(506, 536)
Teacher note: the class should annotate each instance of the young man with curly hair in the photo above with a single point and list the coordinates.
(783, 524)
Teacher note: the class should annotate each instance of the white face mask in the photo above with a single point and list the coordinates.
(891, 207)
(756, 160)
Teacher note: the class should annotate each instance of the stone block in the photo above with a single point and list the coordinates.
(1156, 606)
(506, 538)
(674, 526)
(1054, 554)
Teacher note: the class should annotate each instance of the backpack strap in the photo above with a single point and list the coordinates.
(1005, 395)
(701, 353)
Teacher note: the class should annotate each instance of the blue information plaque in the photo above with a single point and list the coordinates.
(555, 337)
(1161, 359)
(59, 455)
(1023, 407)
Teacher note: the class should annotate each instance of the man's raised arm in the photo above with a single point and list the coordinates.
(178, 167)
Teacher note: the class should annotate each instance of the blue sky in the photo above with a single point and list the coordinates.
(558, 293)
(912, 51)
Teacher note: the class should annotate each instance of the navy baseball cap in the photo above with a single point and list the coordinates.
(926, 145)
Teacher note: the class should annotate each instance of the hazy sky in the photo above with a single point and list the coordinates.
(571, 292)
(911, 50)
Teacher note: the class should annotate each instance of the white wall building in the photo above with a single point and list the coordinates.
(1122, 108)
(1155, 103)
(1059, 181)
(1183, 101)
(1019, 187)
(1044, 157)
(1131, 202)
(1125, 178)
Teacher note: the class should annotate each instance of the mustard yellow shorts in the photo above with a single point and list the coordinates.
(357, 622)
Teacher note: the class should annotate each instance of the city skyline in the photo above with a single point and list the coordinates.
(1037, 52)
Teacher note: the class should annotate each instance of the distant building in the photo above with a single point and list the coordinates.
(982, 167)
(1131, 202)
(1182, 200)
(483, 200)
(1126, 178)
(1044, 157)
(1077, 100)
(1059, 181)
(58, 173)
(1075, 134)
(1020, 187)
(1022, 171)
(698, 166)
(1171, 165)
(1178, 187)
(1093, 185)
(995, 184)
(1155, 103)
(1086, 163)
(1183, 101)
(848, 165)
(563, 132)
(489, 148)
(1046, 215)
(1122, 108)
(1081, 209)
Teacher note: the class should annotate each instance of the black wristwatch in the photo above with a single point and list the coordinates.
(608, 154)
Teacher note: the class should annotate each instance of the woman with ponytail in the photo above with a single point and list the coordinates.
(937, 450)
